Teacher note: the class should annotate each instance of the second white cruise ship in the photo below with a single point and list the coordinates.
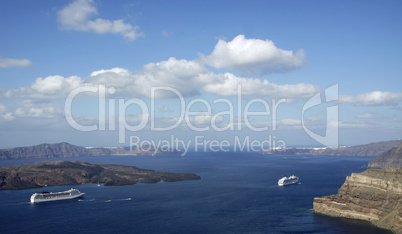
(288, 180)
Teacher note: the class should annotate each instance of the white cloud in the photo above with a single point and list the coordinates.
(375, 98)
(317, 124)
(79, 14)
(55, 84)
(352, 125)
(116, 70)
(205, 119)
(37, 110)
(290, 122)
(166, 33)
(373, 116)
(366, 116)
(254, 56)
(286, 124)
(377, 118)
(165, 109)
(2, 108)
(8, 116)
(47, 88)
(182, 75)
(4, 114)
(187, 77)
(227, 84)
(118, 78)
(10, 62)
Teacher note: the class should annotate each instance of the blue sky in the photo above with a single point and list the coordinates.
(204, 50)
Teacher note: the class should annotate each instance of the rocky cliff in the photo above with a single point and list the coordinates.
(391, 158)
(40, 174)
(374, 195)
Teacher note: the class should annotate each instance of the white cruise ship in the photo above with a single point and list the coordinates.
(46, 196)
(288, 180)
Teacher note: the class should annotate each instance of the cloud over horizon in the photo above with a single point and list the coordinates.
(187, 77)
(11, 62)
(227, 85)
(5, 114)
(182, 75)
(254, 56)
(79, 15)
(50, 87)
(375, 98)
(192, 77)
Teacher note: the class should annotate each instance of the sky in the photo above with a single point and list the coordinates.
(276, 73)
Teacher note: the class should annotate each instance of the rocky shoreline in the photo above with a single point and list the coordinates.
(46, 173)
(374, 195)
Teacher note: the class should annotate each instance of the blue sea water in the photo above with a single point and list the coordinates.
(238, 193)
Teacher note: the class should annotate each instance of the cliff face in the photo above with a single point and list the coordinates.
(374, 195)
(391, 158)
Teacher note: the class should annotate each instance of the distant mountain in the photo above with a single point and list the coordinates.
(44, 150)
(372, 149)
(391, 158)
(63, 150)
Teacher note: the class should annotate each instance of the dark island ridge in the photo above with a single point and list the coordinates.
(46, 173)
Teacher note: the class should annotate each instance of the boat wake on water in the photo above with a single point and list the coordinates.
(122, 199)
(86, 200)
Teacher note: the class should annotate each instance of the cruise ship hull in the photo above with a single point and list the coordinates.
(287, 183)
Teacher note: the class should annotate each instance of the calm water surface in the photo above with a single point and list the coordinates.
(238, 193)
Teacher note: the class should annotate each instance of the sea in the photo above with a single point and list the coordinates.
(237, 193)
